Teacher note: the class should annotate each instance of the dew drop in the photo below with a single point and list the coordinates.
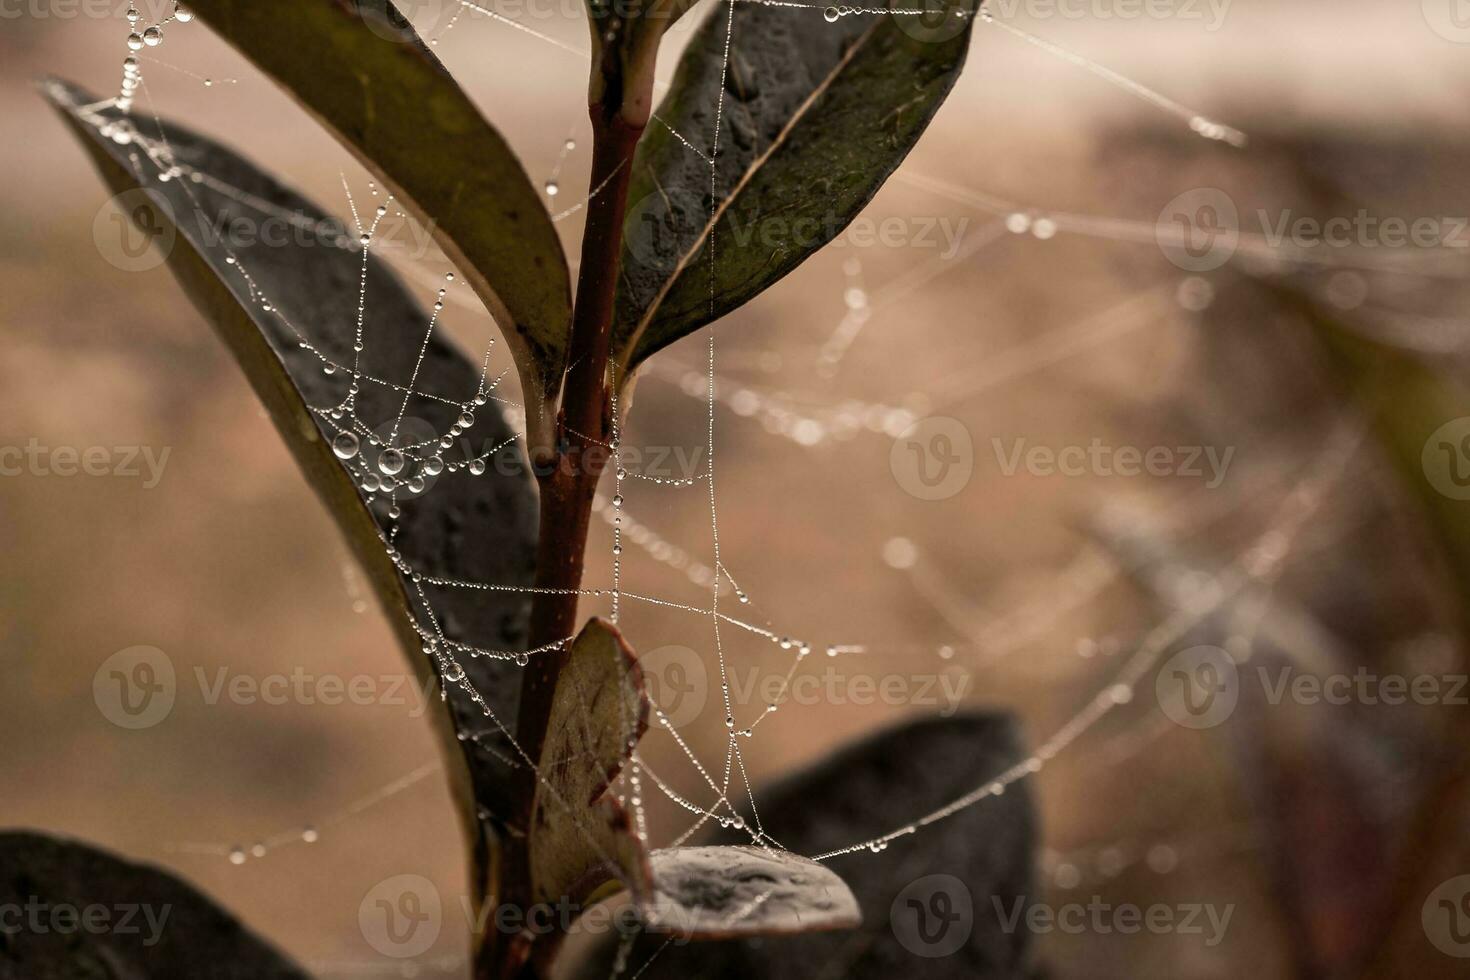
(477, 466)
(416, 485)
(552, 189)
(433, 466)
(390, 461)
(466, 419)
(454, 673)
(237, 855)
(309, 835)
(153, 37)
(182, 14)
(135, 41)
(345, 445)
(831, 14)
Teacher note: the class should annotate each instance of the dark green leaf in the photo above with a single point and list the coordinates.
(360, 69)
(480, 529)
(156, 925)
(982, 856)
(815, 117)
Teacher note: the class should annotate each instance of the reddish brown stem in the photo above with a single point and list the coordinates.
(568, 482)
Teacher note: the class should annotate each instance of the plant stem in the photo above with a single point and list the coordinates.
(568, 483)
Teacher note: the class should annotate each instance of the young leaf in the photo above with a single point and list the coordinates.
(368, 78)
(727, 892)
(813, 117)
(463, 527)
(172, 929)
(980, 858)
(580, 836)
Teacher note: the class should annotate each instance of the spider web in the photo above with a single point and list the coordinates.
(722, 791)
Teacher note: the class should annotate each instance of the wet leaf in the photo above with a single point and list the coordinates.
(359, 68)
(581, 836)
(479, 529)
(976, 862)
(726, 892)
(156, 925)
(814, 118)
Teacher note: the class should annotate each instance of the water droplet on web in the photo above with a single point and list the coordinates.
(183, 14)
(571, 145)
(453, 673)
(552, 189)
(309, 835)
(135, 41)
(258, 850)
(237, 855)
(477, 466)
(153, 37)
(390, 461)
(831, 14)
(433, 466)
(345, 445)
(466, 419)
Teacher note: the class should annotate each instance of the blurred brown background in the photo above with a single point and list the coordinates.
(228, 563)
